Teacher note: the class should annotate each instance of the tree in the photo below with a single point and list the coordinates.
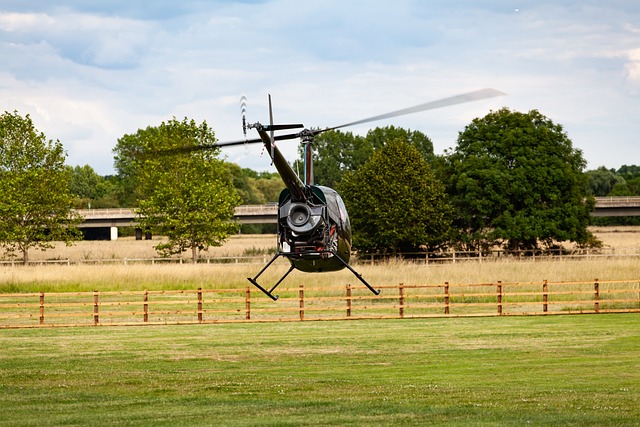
(245, 189)
(394, 201)
(35, 203)
(602, 181)
(378, 137)
(338, 152)
(269, 186)
(188, 193)
(128, 152)
(91, 190)
(629, 171)
(335, 152)
(631, 187)
(516, 180)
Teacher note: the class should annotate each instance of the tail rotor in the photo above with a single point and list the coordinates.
(243, 111)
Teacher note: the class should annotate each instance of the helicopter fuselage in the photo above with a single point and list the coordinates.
(313, 233)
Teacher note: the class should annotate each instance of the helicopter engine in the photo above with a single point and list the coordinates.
(302, 219)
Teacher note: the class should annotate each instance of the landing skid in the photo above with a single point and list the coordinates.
(269, 292)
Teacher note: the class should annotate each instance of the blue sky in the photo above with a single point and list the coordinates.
(91, 71)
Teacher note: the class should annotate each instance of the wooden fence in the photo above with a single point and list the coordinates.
(32, 310)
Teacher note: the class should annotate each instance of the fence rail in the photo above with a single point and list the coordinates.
(57, 309)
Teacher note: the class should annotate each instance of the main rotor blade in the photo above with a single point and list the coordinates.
(231, 143)
(285, 127)
(445, 102)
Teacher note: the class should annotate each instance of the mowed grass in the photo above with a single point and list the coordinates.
(560, 370)
(568, 370)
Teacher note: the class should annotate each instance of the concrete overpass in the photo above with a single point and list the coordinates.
(617, 206)
(126, 217)
(267, 214)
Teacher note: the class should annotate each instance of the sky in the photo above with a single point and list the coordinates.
(90, 71)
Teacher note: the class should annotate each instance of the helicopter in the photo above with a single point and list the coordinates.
(314, 231)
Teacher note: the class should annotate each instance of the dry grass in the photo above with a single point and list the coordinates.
(623, 239)
(130, 248)
(166, 276)
(187, 276)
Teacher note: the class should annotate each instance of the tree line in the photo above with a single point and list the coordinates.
(513, 180)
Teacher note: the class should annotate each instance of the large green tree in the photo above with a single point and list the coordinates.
(35, 202)
(394, 201)
(338, 152)
(127, 154)
(186, 192)
(515, 179)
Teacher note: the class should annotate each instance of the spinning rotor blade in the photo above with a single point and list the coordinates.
(432, 105)
(271, 128)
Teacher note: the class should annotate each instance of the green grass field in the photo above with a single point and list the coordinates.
(566, 370)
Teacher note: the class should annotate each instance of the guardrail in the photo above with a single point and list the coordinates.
(618, 201)
(163, 307)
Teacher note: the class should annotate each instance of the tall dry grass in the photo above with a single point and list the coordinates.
(171, 276)
(130, 248)
(622, 239)
(189, 276)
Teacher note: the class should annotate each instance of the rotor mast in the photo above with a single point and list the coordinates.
(306, 137)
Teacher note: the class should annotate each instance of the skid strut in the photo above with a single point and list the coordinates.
(358, 275)
(269, 293)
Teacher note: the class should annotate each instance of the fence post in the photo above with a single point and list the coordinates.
(401, 300)
(446, 297)
(348, 299)
(301, 302)
(199, 305)
(545, 296)
(596, 296)
(247, 303)
(499, 289)
(42, 308)
(145, 306)
(96, 318)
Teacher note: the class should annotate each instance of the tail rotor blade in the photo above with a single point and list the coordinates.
(243, 110)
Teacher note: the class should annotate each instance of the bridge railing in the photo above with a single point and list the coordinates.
(618, 201)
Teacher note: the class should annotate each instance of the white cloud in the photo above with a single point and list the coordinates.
(91, 72)
(102, 41)
(633, 66)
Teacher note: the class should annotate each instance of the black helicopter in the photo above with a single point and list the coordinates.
(314, 232)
